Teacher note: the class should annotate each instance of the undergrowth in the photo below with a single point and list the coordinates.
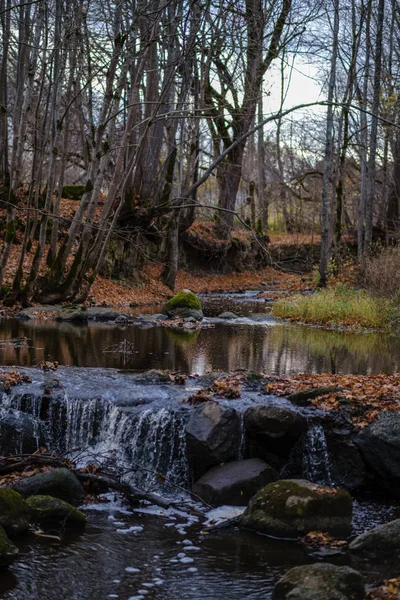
(339, 305)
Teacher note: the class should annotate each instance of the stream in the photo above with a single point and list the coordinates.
(105, 408)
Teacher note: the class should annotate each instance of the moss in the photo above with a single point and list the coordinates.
(14, 512)
(291, 507)
(183, 299)
(50, 509)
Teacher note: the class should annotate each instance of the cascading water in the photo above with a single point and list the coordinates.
(316, 462)
(139, 441)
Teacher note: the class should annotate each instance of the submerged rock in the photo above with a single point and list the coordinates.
(8, 552)
(184, 304)
(293, 507)
(45, 509)
(234, 483)
(383, 540)
(212, 436)
(60, 483)
(379, 444)
(14, 512)
(320, 581)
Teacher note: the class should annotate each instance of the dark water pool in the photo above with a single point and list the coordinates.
(270, 346)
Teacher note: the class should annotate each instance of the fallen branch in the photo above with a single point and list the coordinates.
(30, 459)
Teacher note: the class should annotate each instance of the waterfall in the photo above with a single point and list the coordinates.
(141, 441)
(316, 463)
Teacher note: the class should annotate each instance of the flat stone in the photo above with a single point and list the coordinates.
(234, 483)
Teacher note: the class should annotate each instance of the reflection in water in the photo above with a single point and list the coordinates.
(274, 348)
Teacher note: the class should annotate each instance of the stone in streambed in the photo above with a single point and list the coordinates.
(59, 483)
(14, 512)
(213, 435)
(379, 444)
(227, 316)
(184, 304)
(46, 509)
(382, 540)
(234, 483)
(321, 581)
(73, 312)
(293, 507)
(8, 552)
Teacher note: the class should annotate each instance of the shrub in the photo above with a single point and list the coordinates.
(380, 274)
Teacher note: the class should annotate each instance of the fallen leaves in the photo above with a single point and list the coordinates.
(365, 395)
(317, 539)
(11, 378)
(390, 590)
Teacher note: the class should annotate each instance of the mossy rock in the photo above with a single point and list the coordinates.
(59, 483)
(184, 304)
(73, 192)
(14, 512)
(318, 581)
(8, 552)
(47, 509)
(72, 312)
(290, 508)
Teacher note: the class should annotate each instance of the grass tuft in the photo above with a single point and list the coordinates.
(339, 305)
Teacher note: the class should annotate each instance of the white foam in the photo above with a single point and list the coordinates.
(132, 570)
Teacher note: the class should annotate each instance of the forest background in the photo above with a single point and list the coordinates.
(173, 128)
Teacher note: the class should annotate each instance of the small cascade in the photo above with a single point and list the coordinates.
(139, 441)
(316, 462)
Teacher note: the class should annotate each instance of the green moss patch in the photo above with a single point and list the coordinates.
(183, 299)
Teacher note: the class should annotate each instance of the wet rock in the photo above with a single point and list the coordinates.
(60, 483)
(102, 313)
(320, 581)
(73, 312)
(228, 316)
(212, 436)
(347, 468)
(379, 444)
(290, 507)
(274, 428)
(19, 434)
(184, 304)
(32, 312)
(382, 540)
(47, 509)
(8, 552)
(14, 512)
(234, 483)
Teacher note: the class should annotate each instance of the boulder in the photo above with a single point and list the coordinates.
(347, 468)
(8, 552)
(213, 436)
(59, 483)
(383, 540)
(184, 304)
(234, 483)
(14, 512)
(33, 312)
(19, 433)
(46, 509)
(293, 507)
(274, 428)
(73, 312)
(228, 316)
(379, 444)
(320, 581)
